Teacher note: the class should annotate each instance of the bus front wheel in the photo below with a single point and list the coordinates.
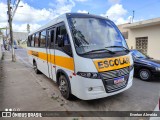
(64, 87)
(36, 68)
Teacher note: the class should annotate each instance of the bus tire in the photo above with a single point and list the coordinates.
(36, 68)
(64, 87)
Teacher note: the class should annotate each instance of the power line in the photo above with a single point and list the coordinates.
(14, 2)
(144, 6)
(15, 9)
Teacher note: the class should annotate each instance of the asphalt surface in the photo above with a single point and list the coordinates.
(142, 96)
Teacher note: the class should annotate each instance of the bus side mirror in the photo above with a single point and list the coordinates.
(60, 41)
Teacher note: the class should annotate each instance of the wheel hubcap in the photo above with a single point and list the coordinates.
(63, 86)
(35, 67)
(144, 74)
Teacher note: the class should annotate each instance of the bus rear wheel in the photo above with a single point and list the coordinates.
(64, 87)
(36, 68)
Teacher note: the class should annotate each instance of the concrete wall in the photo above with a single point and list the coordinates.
(153, 33)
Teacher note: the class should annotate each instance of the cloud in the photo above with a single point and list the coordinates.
(116, 13)
(3, 12)
(114, 1)
(82, 11)
(62, 6)
(30, 14)
(23, 27)
(34, 17)
(24, 15)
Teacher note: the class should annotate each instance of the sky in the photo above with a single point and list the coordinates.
(39, 12)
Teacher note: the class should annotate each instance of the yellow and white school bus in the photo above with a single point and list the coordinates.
(86, 55)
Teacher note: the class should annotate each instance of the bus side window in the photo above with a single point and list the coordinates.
(51, 38)
(32, 41)
(43, 39)
(37, 40)
(29, 41)
(61, 30)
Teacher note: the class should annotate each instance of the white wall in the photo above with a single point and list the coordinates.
(153, 33)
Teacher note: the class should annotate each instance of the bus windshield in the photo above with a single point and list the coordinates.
(95, 34)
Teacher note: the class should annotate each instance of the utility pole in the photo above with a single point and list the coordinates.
(10, 28)
(10, 18)
(133, 16)
(28, 28)
(6, 31)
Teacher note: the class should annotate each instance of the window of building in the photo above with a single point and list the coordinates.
(125, 34)
(36, 38)
(142, 44)
(43, 39)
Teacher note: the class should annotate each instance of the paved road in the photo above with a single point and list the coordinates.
(142, 96)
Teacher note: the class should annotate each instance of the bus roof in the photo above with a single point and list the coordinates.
(65, 16)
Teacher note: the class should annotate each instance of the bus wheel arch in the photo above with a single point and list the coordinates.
(35, 67)
(34, 61)
(61, 74)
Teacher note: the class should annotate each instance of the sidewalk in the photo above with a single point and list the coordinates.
(19, 88)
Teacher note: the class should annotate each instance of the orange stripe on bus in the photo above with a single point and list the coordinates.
(61, 61)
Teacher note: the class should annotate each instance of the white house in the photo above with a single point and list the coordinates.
(143, 36)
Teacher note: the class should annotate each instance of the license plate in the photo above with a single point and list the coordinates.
(118, 80)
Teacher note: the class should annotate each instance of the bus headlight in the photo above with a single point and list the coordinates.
(92, 75)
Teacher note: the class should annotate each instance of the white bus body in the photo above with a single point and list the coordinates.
(85, 73)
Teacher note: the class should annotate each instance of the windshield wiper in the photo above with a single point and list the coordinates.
(109, 51)
(119, 47)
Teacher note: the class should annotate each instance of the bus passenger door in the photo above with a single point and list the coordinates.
(51, 55)
(63, 54)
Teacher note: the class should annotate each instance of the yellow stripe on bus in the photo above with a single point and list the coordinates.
(108, 64)
(61, 61)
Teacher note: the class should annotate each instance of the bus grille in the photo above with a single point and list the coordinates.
(108, 78)
(115, 73)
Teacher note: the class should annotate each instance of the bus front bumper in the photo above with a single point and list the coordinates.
(87, 89)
